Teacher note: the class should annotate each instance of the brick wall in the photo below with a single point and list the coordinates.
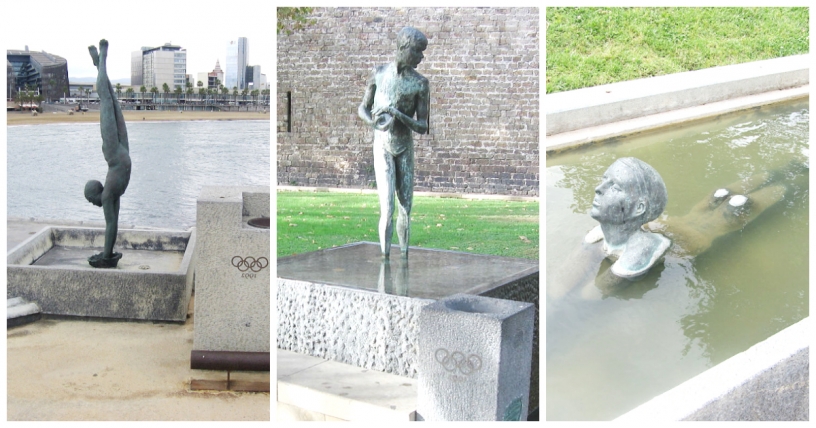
(483, 69)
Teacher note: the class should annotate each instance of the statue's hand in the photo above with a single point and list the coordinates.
(383, 118)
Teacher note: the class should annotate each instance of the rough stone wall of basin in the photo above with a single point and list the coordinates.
(483, 69)
(365, 329)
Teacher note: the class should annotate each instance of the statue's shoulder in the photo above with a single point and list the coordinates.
(642, 252)
(376, 71)
(420, 78)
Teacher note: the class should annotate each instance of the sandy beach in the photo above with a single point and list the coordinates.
(25, 118)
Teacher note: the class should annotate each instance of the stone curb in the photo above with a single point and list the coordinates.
(715, 383)
(581, 137)
(598, 105)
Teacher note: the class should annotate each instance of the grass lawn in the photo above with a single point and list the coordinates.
(314, 221)
(594, 46)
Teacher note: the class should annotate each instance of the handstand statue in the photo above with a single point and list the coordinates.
(394, 94)
(115, 148)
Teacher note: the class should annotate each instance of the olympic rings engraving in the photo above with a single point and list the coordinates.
(458, 361)
(250, 263)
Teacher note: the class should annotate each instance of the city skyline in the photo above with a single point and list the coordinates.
(204, 41)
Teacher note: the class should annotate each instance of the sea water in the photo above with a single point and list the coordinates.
(48, 166)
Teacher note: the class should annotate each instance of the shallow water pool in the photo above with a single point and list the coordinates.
(607, 355)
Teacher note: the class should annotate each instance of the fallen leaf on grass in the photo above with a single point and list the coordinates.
(292, 225)
(524, 239)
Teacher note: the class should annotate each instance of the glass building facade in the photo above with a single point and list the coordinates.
(237, 54)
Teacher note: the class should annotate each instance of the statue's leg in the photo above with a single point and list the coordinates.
(107, 113)
(384, 172)
(405, 196)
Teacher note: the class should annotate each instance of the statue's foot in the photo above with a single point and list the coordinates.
(99, 261)
(103, 49)
(94, 55)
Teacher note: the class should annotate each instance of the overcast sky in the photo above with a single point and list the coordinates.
(203, 28)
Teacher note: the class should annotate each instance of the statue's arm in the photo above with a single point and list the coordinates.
(364, 110)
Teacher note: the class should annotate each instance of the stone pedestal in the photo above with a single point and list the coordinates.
(474, 359)
(232, 279)
(153, 281)
(344, 304)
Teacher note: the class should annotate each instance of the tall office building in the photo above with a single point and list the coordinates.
(160, 65)
(237, 54)
(253, 77)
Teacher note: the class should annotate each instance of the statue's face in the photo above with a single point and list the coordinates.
(411, 55)
(615, 201)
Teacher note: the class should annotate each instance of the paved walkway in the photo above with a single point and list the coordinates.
(104, 370)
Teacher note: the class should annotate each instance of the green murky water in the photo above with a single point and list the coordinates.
(606, 356)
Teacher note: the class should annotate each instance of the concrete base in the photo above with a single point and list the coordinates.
(153, 281)
(474, 359)
(343, 304)
(769, 381)
(233, 274)
(20, 312)
(314, 389)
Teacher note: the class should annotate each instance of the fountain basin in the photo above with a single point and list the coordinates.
(153, 281)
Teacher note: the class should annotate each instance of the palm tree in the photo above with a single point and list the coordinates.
(201, 91)
(154, 90)
(142, 89)
(224, 92)
(118, 90)
(50, 91)
(177, 91)
(129, 93)
(39, 98)
(166, 90)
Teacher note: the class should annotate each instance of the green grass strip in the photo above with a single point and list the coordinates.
(314, 221)
(595, 46)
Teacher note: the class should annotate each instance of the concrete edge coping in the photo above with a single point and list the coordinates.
(295, 387)
(468, 196)
(597, 105)
(83, 223)
(695, 393)
(581, 137)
